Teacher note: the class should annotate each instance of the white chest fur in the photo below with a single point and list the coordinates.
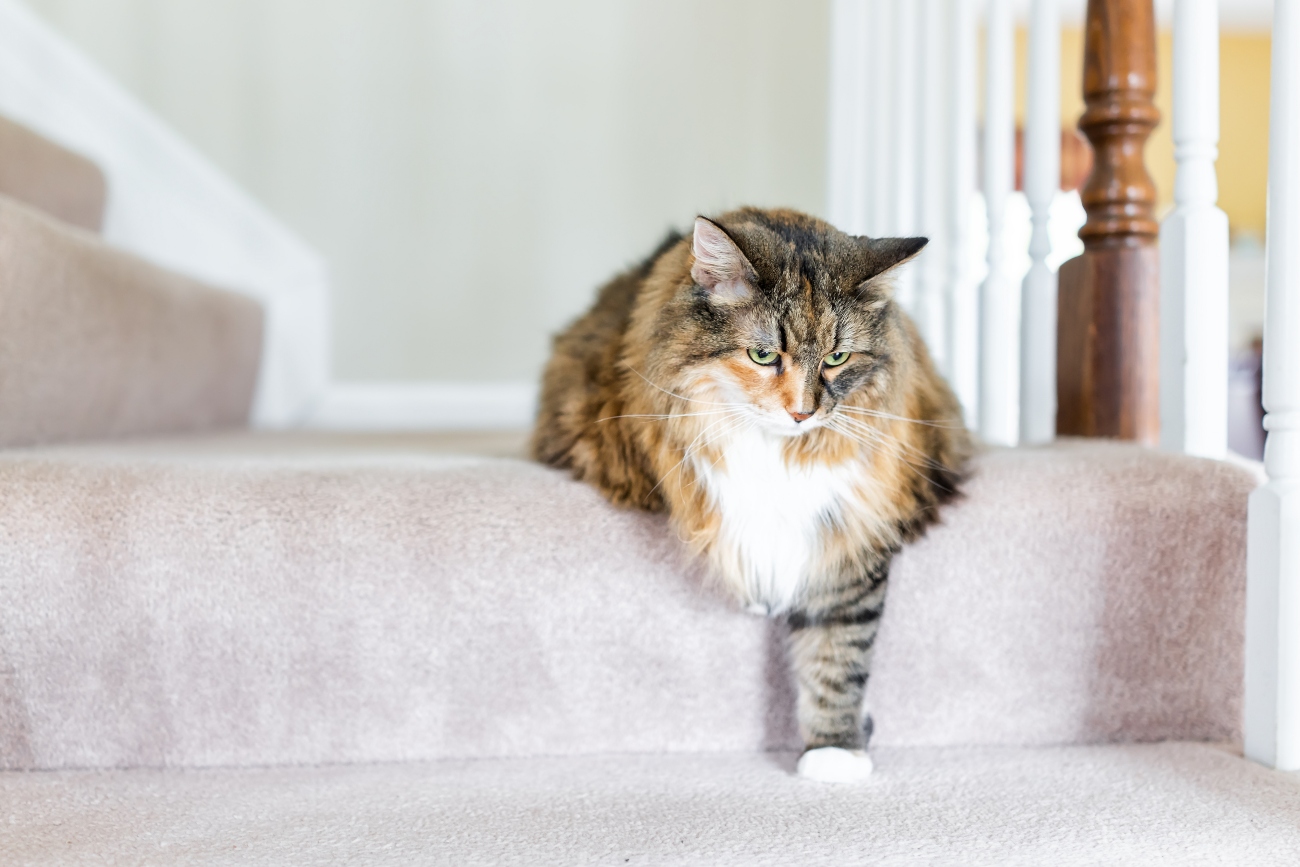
(772, 516)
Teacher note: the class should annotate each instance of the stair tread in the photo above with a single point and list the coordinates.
(1150, 804)
(96, 342)
(343, 602)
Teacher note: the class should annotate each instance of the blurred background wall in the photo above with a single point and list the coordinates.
(473, 170)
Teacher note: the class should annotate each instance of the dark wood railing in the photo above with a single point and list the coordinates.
(1108, 333)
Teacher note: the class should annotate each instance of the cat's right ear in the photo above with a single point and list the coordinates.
(886, 254)
(719, 265)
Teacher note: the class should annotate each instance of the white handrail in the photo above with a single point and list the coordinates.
(1272, 700)
(999, 299)
(1194, 250)
(962, 296)
(1042, 181)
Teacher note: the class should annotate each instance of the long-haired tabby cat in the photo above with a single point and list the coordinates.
(759, 383)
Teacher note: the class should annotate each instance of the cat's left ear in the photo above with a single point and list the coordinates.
(886, 254)
(719, 265)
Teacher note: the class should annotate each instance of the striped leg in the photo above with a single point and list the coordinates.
(831, 640)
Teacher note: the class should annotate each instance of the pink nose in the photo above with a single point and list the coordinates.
(799, 416)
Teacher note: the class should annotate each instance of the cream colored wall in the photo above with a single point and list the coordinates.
(1243, 118)
(472, 170)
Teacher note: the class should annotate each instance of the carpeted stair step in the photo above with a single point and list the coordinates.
(233, 602)
(51, 178)
(1150, 805)
(98, 343)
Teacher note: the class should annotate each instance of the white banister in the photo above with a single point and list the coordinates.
(848, 178)
(962, 298)
(1272, 701)
(999, 298)
(883, 75)
(1194, 250)
(1042, 181)
(903, 119)
(903, 123)
(931, 170)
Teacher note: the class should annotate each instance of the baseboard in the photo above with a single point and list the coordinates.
(374, 406)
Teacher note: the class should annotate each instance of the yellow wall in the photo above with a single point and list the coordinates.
(1243, 118)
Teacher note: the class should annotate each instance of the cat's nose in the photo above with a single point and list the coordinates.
(799, 416)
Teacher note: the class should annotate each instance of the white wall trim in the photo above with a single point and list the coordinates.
(387, 406)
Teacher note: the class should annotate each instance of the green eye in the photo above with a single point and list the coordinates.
(835, 359)
(762, 356)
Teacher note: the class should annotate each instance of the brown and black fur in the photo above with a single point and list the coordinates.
(617, 411)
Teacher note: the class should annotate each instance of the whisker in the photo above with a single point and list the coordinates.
(744, 421)
(654, 384)
(887, 437)
(885, 448)
(662, 417)
(890, 445)
(882, 414)
(876, 432)
(686, 453)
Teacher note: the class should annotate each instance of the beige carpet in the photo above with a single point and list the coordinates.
(97, 343)
(51, 178)
(220, 603)
(1169, 804)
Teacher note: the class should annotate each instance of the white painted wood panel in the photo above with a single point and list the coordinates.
(883, 69)
(1042, 182)
(385, 406)
(934, 136)
(1272, 701)
(1194, 250)
(904, 123)
(1000, 296)
(962, 295)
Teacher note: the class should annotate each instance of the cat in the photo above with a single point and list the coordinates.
(758, 382)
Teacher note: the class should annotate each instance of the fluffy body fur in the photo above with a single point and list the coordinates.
(758, 382)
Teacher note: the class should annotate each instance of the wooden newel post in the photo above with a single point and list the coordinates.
(1108, 330)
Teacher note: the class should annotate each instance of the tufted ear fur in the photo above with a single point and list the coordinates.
(886, 254)
(719, 265)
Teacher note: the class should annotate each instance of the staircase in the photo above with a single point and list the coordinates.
(221, 645)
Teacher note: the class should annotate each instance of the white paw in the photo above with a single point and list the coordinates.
(835, 765)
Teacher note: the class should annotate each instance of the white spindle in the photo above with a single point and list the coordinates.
(903, 119)
(999, 298)
(1042, 181)
(1194, 250)
(958, 24)
(931, 169)
(1273, 559)
(884, 74)
(848, 177)
(903, 123)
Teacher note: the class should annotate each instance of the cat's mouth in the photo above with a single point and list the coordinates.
(789, 427)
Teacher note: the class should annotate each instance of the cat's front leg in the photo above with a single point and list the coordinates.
(831, 641)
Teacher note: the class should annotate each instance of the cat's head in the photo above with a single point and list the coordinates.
(786, 317)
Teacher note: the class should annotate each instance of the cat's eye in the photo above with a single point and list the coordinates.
(835, 359)
(762, 356)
